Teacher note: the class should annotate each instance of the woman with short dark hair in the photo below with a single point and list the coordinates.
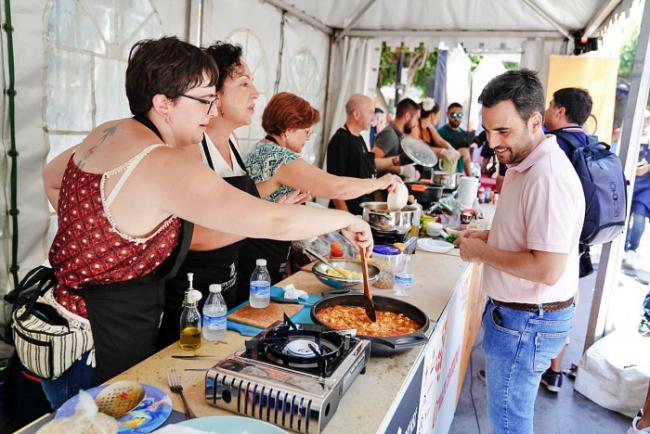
(120, 196)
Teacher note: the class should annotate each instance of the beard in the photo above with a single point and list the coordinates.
(511, 157)
(407, 129)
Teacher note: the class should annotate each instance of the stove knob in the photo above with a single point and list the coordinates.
(226, 396)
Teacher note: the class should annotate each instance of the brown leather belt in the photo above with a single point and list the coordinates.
(547, 307)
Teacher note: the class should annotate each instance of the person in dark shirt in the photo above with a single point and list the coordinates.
(348, 155)
(460, 139)
(567, 112)
(389, 140)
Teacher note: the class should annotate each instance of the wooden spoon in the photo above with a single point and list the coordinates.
(368, 304)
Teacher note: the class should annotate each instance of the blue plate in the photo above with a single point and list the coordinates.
(153, 410)
(231, 425)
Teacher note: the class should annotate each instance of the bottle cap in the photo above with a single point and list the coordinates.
(215, 287)
(193, 295)
(384, 249)
(190, 279)
(260, 262)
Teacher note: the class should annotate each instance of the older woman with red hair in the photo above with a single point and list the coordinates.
(277, 168)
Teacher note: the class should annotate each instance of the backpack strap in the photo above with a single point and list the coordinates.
(571, 139)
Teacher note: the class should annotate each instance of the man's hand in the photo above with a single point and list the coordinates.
(471, 248)
(409, 172)
(481, 235)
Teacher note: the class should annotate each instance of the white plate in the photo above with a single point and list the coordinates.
(434, 246)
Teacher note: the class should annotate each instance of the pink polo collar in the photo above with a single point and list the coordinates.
(539, 151)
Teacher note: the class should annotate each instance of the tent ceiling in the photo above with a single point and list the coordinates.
(452, 15)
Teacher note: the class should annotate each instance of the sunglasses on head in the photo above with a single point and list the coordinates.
(456, 115)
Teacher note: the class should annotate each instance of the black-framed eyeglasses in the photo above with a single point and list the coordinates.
(456, 115)
(207, 102)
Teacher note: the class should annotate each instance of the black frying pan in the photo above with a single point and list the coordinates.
(387, 345)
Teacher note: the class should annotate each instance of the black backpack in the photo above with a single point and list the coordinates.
(604, 186)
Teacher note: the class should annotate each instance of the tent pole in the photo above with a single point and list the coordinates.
(324, 132)
(461, 33)
(291, 10)
(194, 22)
(611, 256)
(353, 21)
(599, 17)
(542, 13)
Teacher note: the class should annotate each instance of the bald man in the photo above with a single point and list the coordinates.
(347, 153)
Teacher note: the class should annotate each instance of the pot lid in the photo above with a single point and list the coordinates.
(419, 152)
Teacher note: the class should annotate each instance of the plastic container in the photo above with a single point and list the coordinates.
(214, 315)
(260, 287)
(385, 257)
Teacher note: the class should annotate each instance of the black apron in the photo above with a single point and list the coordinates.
(125, 316)
(275, 252)
(210, 266)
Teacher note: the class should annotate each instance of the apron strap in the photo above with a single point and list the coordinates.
(144, 120)
(206, 152)
(237, 156)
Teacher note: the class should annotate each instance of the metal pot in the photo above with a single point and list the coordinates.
(387, 345)
(448, 179)
(378, 217)
(425, 193)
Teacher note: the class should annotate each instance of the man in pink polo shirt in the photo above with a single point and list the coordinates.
(530, 254)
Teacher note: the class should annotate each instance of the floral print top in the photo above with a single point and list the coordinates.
(264, 161)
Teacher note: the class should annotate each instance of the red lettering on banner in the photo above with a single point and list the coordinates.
(443, 392)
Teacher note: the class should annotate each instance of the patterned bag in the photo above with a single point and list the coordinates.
(48, 338)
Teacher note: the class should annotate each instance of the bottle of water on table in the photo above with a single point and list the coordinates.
(260, 288)
(214, 315)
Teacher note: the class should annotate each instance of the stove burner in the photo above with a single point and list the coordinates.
(299, 348)
(303, 347)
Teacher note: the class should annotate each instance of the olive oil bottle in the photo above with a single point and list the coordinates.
(190, 323)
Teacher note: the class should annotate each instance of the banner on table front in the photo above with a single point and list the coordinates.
(442, 364)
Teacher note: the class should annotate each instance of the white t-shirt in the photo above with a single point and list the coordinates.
(219, 163)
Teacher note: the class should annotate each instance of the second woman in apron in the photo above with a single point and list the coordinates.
(213, 255)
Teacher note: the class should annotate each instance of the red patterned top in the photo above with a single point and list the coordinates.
(88, 249)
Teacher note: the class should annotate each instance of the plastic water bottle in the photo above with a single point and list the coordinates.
(260, 288)
(404, 275)
(214, 315)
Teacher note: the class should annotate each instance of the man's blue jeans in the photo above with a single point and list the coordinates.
(518, 347)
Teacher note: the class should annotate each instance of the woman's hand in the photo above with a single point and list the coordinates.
(390, 181)
(296, 197)
(358, 231)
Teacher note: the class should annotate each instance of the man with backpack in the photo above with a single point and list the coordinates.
(567, 112)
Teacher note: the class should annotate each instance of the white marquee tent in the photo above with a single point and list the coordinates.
(69, 58)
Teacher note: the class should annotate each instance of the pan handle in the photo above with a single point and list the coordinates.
(342, 291)
(412, 340)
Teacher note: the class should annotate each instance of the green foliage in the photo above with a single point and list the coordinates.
(511, 65)
(626, 58)
(422, 69)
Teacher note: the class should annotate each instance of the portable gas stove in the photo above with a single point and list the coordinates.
(291, 375)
